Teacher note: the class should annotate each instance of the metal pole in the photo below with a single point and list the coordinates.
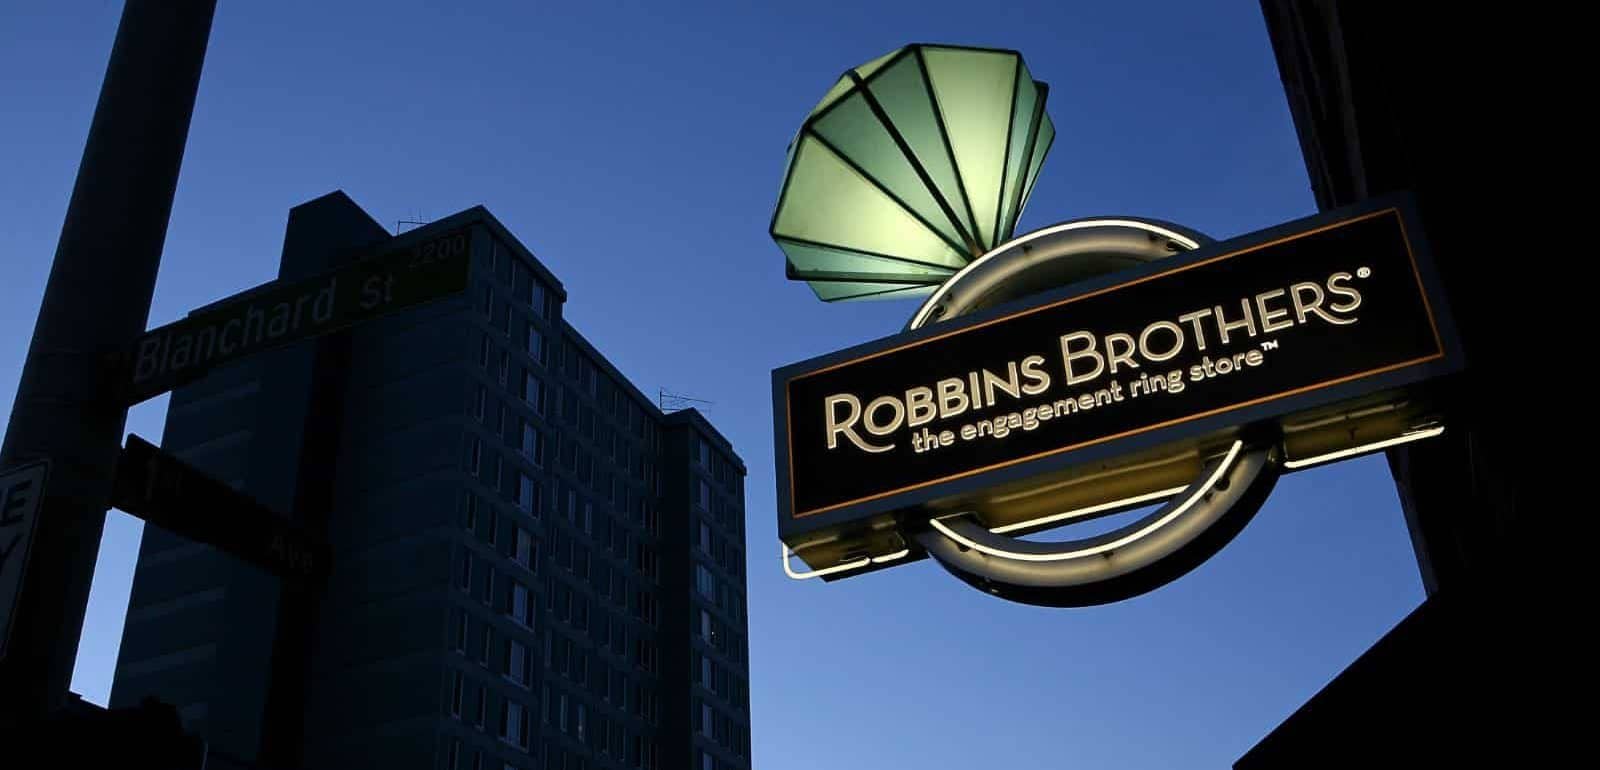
(97, 300)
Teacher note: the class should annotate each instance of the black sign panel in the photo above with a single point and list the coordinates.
(162, 490)
(1305, 315)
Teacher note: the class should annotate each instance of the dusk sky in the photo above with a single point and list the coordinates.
(637, 149)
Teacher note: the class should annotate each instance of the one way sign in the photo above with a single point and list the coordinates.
(21, 489)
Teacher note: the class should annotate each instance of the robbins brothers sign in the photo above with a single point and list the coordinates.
(1260, 329)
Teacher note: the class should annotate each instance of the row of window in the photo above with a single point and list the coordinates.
(607, 443)
(484, 521)
(568, 659)
(475, 708)
(640, 753)
(721, 550)
(721, 637)
(456, 758)
(508, 268)
(614, 399)
(709, 761)
(729, 733)
(718, 592)
(726, 473)
(718, 678)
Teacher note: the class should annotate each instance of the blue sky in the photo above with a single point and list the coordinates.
(637, 149)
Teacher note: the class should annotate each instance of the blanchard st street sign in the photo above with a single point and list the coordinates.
(168, 356)
(163, 490)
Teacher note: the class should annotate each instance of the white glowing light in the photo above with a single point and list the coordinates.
(1178, 510)
(933, 299)
(835, 569)
(1093, 509)
(1404, 438)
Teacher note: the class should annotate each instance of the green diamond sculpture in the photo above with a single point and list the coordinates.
(911, 166)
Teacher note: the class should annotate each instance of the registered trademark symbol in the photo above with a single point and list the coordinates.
(1363, 272)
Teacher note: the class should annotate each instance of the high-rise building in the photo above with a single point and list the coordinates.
(533, 566)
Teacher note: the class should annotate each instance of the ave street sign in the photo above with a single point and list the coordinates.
(21, 489)
(166, 357)
(162, 490)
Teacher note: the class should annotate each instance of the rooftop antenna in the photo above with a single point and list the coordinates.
(673, 402)
(399, 224)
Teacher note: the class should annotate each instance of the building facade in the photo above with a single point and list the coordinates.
(533, 566)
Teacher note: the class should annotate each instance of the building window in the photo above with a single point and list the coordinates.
(469, 519)
(454, 754)
(516, 662)
(517, 607)
(527, 492)
(457, 684)
(532, 444)
(511, 723)
(483, 351)
(505, 366)
(702, 496)
(705, 582)
(474, 455)
(466, 571)
(533, 392)
(479, 400)
(705, 625)
(461, 631)
(494, 526)
(483, 707)
(645, 654)
(523, 550)
(533, 341)
(705, 538)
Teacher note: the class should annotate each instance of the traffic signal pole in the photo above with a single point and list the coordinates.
(96, 301)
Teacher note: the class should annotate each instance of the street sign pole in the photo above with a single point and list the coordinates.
(96, 300)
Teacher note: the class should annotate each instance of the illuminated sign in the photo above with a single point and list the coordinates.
(1316, 318)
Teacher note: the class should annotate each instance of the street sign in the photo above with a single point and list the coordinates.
(166, 492)
(168, 356)
(21, 489)
(1313, 315)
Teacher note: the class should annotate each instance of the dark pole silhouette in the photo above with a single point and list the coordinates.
(97, 300)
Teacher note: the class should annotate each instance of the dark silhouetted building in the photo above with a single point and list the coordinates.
(533, 566)
(1390, 97)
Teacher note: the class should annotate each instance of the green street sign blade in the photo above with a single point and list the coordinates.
(168, 356)
(161, 489)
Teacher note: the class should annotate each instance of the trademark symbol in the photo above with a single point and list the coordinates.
(1363, 272)
(1269, 345)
